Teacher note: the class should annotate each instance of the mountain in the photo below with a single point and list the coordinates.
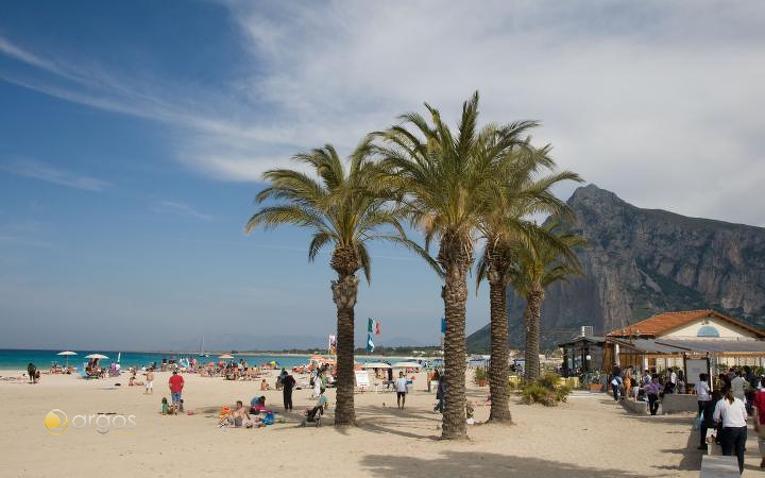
(639, 262)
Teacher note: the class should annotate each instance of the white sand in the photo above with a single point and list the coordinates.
(589, 436)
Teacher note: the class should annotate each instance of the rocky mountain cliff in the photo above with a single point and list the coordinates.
(642, 261)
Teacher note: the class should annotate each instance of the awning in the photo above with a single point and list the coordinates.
(718, 346)
(590, 339)
(666, 346)
(649, 346)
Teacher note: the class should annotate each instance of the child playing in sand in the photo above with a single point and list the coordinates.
(166, 408)
(469, 411)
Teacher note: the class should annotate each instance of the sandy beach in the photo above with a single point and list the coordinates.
(589, 436)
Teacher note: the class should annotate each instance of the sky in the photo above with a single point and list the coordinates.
(133, 137)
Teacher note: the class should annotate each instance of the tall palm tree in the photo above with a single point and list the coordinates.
(443, 185)
(504, 227)
(344, 208)
(539, 264)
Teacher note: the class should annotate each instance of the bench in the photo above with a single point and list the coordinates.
(640, 407)
(719, 467)
(675, 403)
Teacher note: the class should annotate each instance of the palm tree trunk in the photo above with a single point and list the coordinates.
(533, 315)
(498, 369)
(456, 262)
(344, 292)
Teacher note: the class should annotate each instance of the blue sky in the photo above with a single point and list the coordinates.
(132, 137)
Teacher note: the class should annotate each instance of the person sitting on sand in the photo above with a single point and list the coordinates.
(264, 385)
(469, 412)
(258, 404)
(166, 408)
(238, 417)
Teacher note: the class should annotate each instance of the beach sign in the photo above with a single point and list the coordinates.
(362, 379)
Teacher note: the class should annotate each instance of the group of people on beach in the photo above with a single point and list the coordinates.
(259, 414)
(724, 407)
(724, 404)
(649, 384)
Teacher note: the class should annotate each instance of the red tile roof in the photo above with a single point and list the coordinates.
(662, 323)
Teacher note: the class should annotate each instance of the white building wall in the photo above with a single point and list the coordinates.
(727, 331)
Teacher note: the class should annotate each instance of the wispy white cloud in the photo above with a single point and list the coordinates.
(180, 209)
(54, 175)
(658, 101)
(26, 234)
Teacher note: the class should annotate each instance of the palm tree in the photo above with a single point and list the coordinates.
(504, 227)
(344, 208)
(443, 183)
(538, 264)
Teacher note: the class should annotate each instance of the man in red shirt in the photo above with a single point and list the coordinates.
(176, 388)
(759, 419)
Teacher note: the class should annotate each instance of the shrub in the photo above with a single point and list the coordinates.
(546, 390)
(536, 393)
(481, 374)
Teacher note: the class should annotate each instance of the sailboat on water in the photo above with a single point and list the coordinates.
(202, 348)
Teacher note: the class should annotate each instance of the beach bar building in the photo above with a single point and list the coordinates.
(673, 339)
(582, 354)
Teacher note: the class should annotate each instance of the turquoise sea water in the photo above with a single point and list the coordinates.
(17, 359)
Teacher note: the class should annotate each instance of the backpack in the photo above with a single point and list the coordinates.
(268, 419)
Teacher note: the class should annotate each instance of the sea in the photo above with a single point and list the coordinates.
(18, 359)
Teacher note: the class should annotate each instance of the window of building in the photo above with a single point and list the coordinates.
(708, 331)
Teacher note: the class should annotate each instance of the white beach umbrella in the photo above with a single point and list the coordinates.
(375, 365)
(67, 354)
(406, 365)
(96, 356)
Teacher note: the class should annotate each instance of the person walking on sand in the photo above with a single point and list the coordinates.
(652, 392)
(440, 393)
(739, 386)
(317, 385)
(176, 389)
(149, 385)
(616, 383)
(401, 390)
(32, 371)
(731, 412)
(288, 383)
(759, 419)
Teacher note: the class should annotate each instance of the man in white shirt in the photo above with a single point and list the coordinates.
(731, 411)
(702, 391)
(738, 386)
(401, 390)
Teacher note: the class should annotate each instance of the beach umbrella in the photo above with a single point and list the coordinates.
(226, 356)
(375, 365)
(96, 356)
(67, 354)
(406, 365)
